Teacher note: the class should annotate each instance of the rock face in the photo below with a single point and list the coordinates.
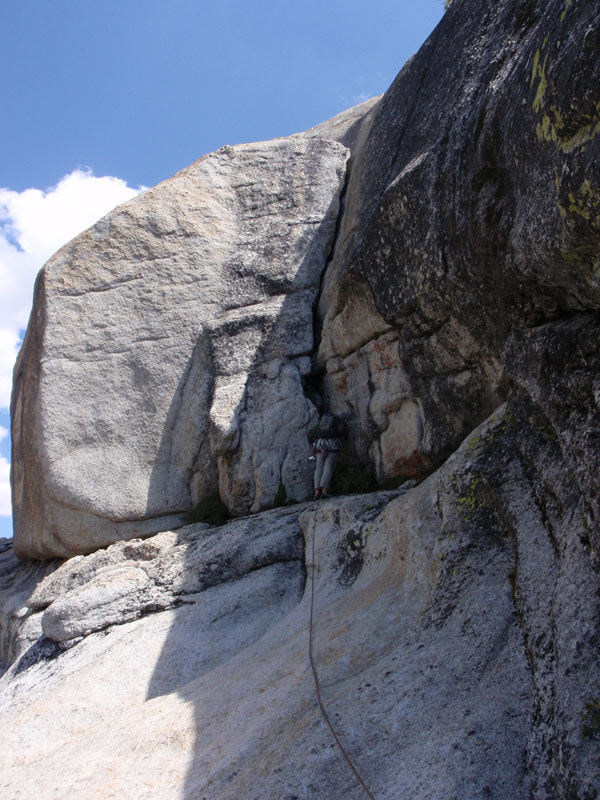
(165, 354)
(17, 581)
(473, 208)
(455, 639)
(456, 619)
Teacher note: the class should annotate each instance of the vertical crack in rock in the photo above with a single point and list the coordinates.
(317, 323)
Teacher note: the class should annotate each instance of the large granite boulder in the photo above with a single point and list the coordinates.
(473, 207)
(165, 354)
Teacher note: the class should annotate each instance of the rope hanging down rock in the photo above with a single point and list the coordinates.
(316, 677)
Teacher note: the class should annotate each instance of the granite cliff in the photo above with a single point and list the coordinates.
(428, 264)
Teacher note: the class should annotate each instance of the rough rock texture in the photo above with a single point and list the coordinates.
(457, 621)
(455, 637)
(165, 353)
(132, 578)
(348, 128)
(473, 207)
(17, 581)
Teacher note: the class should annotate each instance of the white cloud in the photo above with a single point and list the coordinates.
(33, 225)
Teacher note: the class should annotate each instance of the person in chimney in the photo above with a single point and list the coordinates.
(326, 439)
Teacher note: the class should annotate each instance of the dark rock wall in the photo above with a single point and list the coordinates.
(557, 366)
(476, 206)
(519, 484)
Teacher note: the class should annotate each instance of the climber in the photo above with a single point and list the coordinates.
(326, 441)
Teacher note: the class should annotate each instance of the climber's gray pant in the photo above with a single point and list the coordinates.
(324, 469)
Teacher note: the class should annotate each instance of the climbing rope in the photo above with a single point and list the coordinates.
(316, 677)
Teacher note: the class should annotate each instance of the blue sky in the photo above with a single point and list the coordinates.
(102, 97)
